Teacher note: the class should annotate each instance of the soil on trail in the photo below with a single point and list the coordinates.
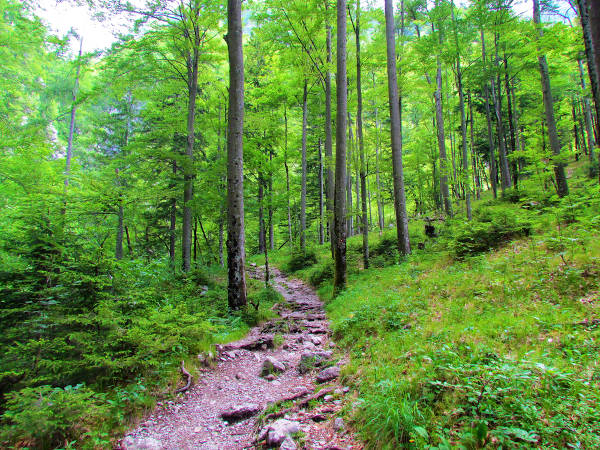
(235, 386)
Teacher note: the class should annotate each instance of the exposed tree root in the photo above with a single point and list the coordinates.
(283, 412)
(186, 374)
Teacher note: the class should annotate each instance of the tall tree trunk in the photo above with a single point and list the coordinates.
(473, 155)
(196, 240)
(396, 131)
(512, 112)
(129, 246)
(497, 99)
(261, 216)
(321, 203)
(562, 188)
(361, 149)
(303, 188)
(339, 217)
(119, 241)
(350, 211)
(492, 156)
(270, 205)
(439, 114)
(188, 174)
(173, 218)
(586, 8)
(72, 127)
(377, 179)
(287, 176)
(463, 122)
(587, 114)
(328, 137)
(236, 289)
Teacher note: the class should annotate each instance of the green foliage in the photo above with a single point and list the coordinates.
(301, 260)
(384, 252)
(321, 273)
(490, 228)
(46, 417)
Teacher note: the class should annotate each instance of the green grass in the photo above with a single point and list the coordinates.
(490, 350)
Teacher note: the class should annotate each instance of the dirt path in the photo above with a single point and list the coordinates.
(299, 367)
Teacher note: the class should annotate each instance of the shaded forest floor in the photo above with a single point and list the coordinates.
(487, 337)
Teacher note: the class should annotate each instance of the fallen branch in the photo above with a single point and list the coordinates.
(283, 412)
(186, 374)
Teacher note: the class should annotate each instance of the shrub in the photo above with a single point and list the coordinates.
(385, 252)
(321, 273)
(301, 260)
(490, 229)
(46, 417)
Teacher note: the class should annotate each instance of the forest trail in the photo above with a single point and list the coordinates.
(300, 368)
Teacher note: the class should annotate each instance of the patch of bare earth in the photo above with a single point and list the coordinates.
(258, 395)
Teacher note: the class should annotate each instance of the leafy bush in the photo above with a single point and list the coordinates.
(490, 229)
(301, 260)
(385, 251)
(45, 417)
(321, 273)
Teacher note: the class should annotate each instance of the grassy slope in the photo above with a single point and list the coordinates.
(489, 351)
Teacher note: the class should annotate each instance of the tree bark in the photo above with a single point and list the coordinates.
(321, 204)
(492, 156)
(236, 289)
(377, 179)
(303, 187)
(350, 211)
(72, 122)
(562, 188)
(188, 175)
(511, 124)
(361, 149)
(328, 133)
(172, 220)
(261, 219)
(473, 155)
(463, 122)
(396, 131)
(441, 137)
(287, 176)
(339, 218)
(587, 114)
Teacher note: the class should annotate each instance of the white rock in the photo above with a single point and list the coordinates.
(288, 444)
(280, 430)
(130, 443)
(338, 424)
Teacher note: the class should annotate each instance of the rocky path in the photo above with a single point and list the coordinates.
(276, 388)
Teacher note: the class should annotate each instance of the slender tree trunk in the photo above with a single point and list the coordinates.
(188, 177)
(377, 179)
(321, 204)
(196, 240)
(442, 141)
(473, 155)
(221, 232)
(287, 176)
(492, 156)
(396, 131)
(119, 241)
(236, 290)
(585, 11)
(339, 218)
(270, 186)
(350, 211)
(587, 114)
(497, 100)
(463, 122)
(511, 124)
(261, 217)
(303, 188)
(173, 218)
(361, 149)
(72, 128)
(562, 188)
(129, 247)
(328, 134)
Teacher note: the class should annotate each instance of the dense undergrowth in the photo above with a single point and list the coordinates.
(486, 338)
(88, 344)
